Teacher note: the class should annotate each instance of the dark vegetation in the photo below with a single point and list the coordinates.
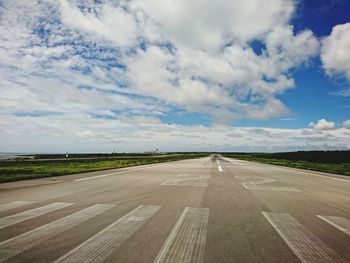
(337, 162)
(56, 165)
(46, 165)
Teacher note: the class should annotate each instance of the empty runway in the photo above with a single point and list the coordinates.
(202, 210)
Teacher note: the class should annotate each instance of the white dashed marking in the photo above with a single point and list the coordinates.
(99, 247)
(186, 241)
(25, 241)
(306, 246)
(13, 205)
(20, 217)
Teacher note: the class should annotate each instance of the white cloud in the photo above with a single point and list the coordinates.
(322, 124)
(111, 22)
(196, 55)
(346, 123)
(83, 133)
(108, 70)
(209, 25)
(335, 52)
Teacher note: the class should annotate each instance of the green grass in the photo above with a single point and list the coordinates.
(23, 170)
(336, 168)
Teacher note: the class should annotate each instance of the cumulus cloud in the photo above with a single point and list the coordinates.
(346, 123)
(195, 55)
(109, 69)
(209, 54)
(335, 53)
(108, 21)
(209, 25)
(86, 133)
(322, 124)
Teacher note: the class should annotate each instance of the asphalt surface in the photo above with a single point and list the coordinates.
(203, 210)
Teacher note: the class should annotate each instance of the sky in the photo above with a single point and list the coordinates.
(199, 75)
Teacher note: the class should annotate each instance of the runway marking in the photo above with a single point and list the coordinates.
(25, 241)
(324, 176)
(20, 217)
(186, 241)
(189, 180)
(99, 247)
(312, 173)
(306, 246)
(258, 181)
(120, 172)
(219, 168)
(13, 205)
(341, 223)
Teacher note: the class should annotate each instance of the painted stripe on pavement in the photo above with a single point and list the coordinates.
(13, 205)
(25, 241)
(99, 247)
(20, 217)
(186, 241)
(219, 168)
(313, 173)
(121, 172)
(258, 181)
(306, 246)
(341, 223)
(188, 180)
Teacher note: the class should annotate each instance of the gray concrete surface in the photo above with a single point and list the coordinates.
(203, 210)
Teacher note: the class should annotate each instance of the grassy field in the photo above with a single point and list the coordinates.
(23, 170)
(335, 167)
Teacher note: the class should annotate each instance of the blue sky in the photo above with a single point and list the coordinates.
(137, 75)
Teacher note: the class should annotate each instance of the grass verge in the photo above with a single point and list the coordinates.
(23, 170)
(335, 168)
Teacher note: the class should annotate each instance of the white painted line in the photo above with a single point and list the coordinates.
(258, 181)
(17, 218)
(341, 223)
(313, 173)
(189, 180)
(99, 247)
(306, 246)
(252, 186)
(121, 172)
(13, 205)
(25, 241)
(219, 168)
(186, 241)
(319, 175)
(185, 184)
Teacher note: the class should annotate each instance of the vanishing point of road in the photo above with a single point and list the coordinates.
(212, 209)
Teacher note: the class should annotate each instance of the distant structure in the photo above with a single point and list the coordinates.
(156, 151)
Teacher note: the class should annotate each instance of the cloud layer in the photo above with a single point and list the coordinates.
(68, 67)
(335, 51)
(197, 56)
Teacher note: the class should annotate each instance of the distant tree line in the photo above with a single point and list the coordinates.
(309, 156)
